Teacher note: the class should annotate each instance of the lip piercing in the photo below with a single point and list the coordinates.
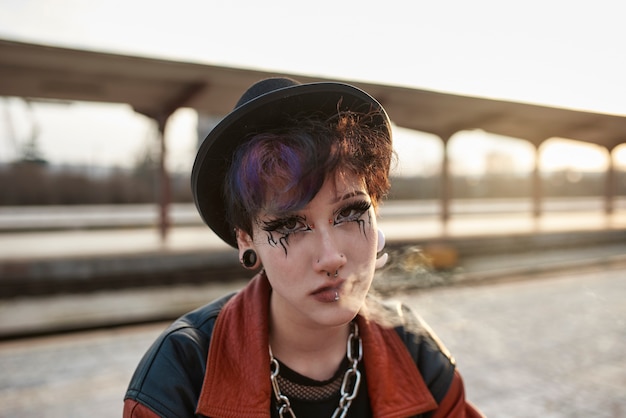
(336, 296)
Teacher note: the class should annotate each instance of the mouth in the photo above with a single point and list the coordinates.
(328, 294)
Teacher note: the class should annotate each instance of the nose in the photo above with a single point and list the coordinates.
(330, 258)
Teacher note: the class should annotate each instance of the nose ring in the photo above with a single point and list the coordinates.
(334, 275)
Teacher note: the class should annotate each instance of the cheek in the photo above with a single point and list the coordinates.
(359, 242)
(371, 241)
(368, 227)
(279, 255)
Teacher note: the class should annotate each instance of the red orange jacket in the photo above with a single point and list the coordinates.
(177, 378)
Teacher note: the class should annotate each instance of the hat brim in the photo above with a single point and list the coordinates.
(267, 111)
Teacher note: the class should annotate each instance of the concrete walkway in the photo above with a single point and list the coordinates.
(549, 347)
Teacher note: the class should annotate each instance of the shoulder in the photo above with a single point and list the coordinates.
(434, 361)
(176, 362)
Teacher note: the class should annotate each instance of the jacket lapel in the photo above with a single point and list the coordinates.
(394, 384)
(237, 384)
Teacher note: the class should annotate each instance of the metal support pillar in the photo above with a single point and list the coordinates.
(446, 183)
(164, 182)
(537, 188)
(183, 98)
(610, 185)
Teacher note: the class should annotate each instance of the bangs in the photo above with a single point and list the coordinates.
(280, 173)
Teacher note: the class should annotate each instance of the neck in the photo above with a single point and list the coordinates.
(315, 352)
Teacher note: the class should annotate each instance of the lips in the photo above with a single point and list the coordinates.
(328, 294)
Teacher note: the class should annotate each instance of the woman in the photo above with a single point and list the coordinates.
(292, 178)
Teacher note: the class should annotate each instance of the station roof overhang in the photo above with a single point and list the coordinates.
(157, 87)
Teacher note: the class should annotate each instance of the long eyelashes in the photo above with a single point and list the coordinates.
(352, 212)
(286, 226)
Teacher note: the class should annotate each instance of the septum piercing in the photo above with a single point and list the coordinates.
(334, 275)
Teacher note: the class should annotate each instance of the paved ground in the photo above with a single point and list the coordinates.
(552, 347)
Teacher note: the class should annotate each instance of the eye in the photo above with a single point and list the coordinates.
(291, 224)
(352, 212)
(286, 226)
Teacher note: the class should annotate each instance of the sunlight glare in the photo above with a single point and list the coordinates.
(477, 152)
(418, 153)
(565, 154)
(619, 156)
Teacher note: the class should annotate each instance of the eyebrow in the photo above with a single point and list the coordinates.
(349, 195)
(335, 200)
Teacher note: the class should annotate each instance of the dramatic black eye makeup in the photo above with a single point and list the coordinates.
(279, 229)
(352, 212)
(284, 227)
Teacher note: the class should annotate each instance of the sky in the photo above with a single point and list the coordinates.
(550, 52)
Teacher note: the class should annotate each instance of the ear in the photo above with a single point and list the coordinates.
(248, 256)
(244, 242)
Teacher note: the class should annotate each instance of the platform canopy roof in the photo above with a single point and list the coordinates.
(157, 87)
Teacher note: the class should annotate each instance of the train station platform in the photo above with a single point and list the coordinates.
(63, 280)
(492, 248)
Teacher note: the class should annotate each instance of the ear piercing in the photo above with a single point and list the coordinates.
(249, 259)
(381, 241)
(382, 260)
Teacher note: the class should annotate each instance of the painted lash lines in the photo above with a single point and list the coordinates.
(360, 207)
(279, 226)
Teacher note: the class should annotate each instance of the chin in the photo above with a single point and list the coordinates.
(345, 310)
(337, 318)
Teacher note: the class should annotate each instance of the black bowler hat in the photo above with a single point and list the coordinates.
(265, 105)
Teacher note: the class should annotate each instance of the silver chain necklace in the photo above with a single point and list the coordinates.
(354, 352)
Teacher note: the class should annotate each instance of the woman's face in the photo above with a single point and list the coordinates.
(319, 260)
